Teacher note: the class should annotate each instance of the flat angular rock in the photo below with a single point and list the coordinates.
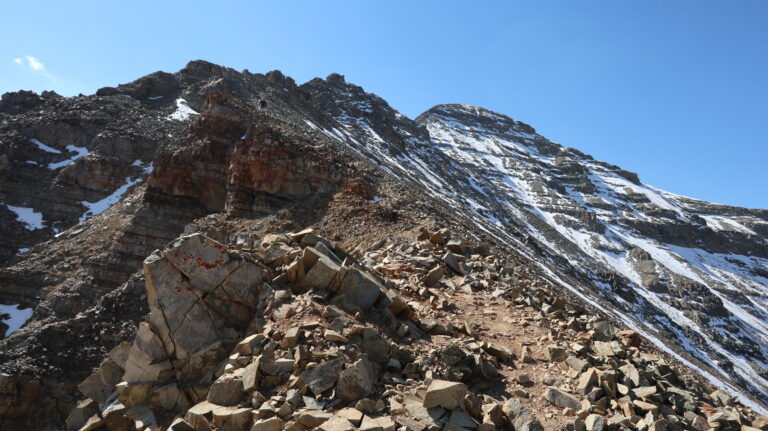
(698, 422)
(383, 423)
(427, 417)
(119, 354)
(561, 398)
(608, 383)
(81, 414)
(456, 246)
(336, 424)
(170, 397)
(321, 274)
(630, 376)
(312, 418)
(232, 418)
(721, 398)
(493, 413)
(114, 415)
(440, 236)
(251, 376)
(276, 367)
(359, 289)
(450, 259)
(354, 416)
(520, 417)
(434, 275)
(630, 338)
(587, 380)
(408, 424)
(375, 346)
(95, 388)
(607, 349)
(334, 336)
(555, 353)
(291, 337)
(644, 391)
(271, 424)
(249, 343)
(525, 355)
(394, 302)
(500, 352)
(322, 377)
(760, 422)
(145, 354)
(577, 363)
(93, 423)
(131, 394)
(143, 417)
(227, 390)
(356, 381)
(461, 420)
(723, 419)
(595, 423)
(446, 394)
(275, 253)
(179, 424)
(645, 406)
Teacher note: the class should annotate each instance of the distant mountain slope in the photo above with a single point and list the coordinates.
(692, 272)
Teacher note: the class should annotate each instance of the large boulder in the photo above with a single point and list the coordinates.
(199, 296)
(356, 381)
(446, 394)
(359, 289)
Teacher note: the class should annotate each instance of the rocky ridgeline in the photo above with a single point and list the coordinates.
(292, 332)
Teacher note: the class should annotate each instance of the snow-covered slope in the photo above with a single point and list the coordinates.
(691, 275)
(698, 271)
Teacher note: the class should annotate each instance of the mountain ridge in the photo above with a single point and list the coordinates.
(211, 141)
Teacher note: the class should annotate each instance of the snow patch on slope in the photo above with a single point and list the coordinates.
(79, 152)
(16, 317)
(182, 112)
(28, 216)
(44, 147)
(98, 207)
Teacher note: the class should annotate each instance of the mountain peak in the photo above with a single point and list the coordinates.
(474, 115)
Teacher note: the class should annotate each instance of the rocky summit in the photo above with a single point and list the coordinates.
(221, 250)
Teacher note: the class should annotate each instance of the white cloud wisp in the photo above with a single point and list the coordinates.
(31, 62)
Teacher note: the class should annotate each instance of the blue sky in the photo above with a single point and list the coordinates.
(673, 90)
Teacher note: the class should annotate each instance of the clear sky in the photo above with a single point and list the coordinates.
(674, 90)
